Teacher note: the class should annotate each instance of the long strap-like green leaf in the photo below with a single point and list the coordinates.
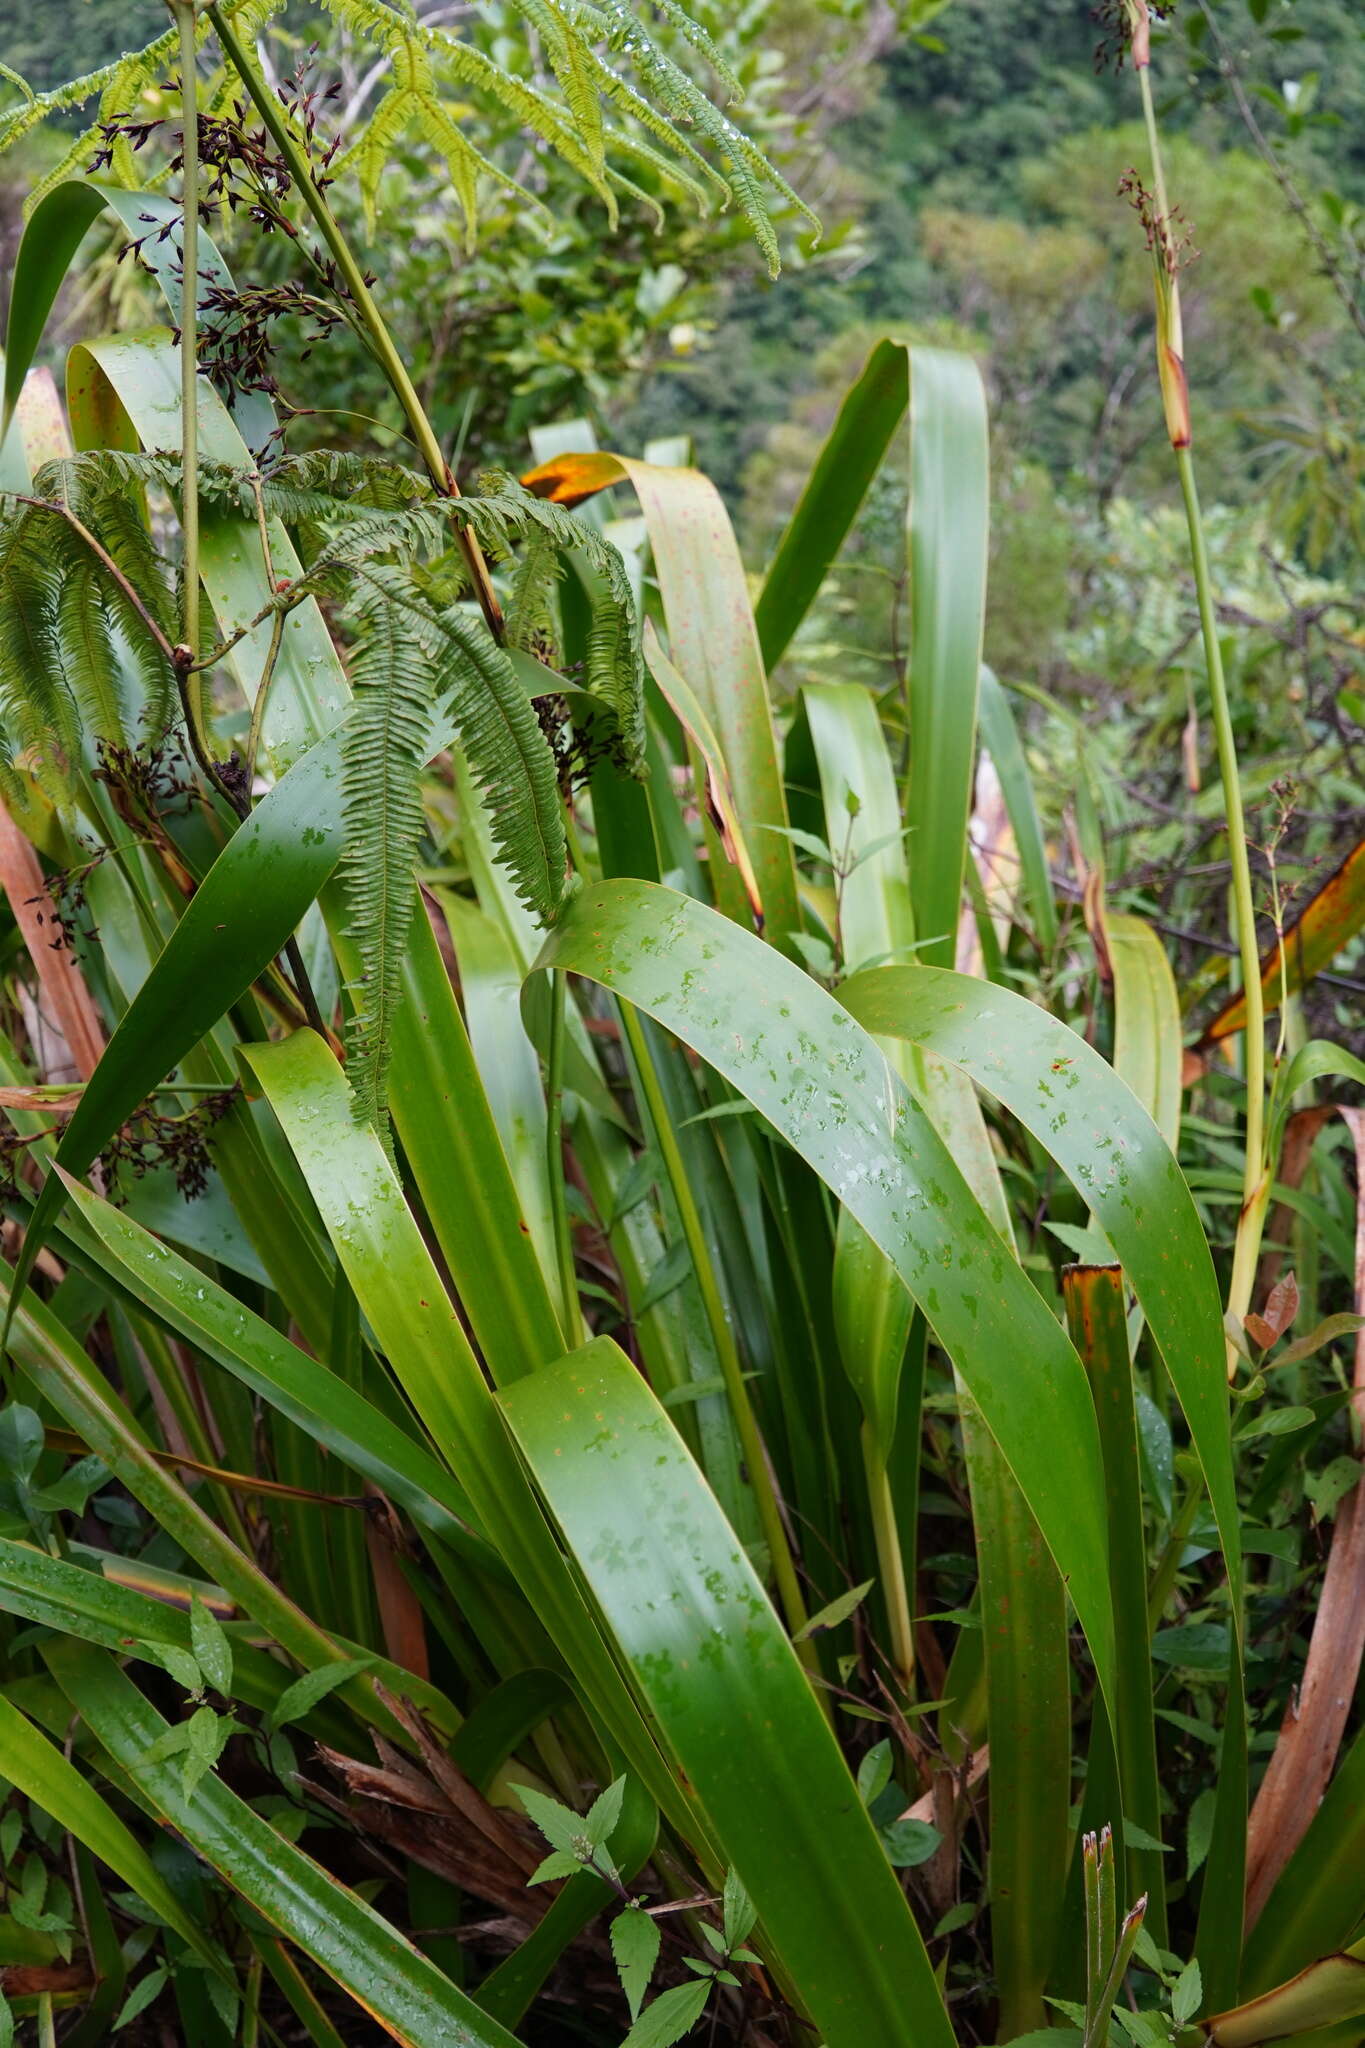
(361, 1951)
(711, 1658)
(800, 1058)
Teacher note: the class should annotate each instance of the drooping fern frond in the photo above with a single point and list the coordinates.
(413, 661)
(503, 511)
(570, 32)
(37, 708)
(425, 58)
(570, 60)
(77, 660)
(383, 753)
(530, 613)
(509, 758)
(104, 490)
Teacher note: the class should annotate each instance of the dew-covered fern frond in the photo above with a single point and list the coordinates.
(663, 99)
(509, 758)
(412, 662)
(503, 511)
(602, 54)
(78, 661)
(383, 753)
(99, 490)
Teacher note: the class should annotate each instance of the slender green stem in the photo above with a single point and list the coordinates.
(569, 1317)
(189, 349)
(372, 320)
(890, 1560)
(1163, 1578)
(1255, 1171)
(722, 1336)
(1255, 1183)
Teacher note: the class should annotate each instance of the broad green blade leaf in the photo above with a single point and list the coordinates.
(720, 802)
(1095, 1311)
(862, 824)
(948, 537)
(1319, 1899)
(1028, 1706)
(509, 1068)
(415, 1323)
(54, 232)
(713, 643)
(37, 1768)
(317, 1399)
(1094, 1127)
(1000, 736)
(837, 485)
(822, 1083)
(710, 1657)
(248, 904)
(1097, 1131)
(393, 1981)
(1149, 1043)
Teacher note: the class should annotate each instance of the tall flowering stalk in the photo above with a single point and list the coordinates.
(1168, 241)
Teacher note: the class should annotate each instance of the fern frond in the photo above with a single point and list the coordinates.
(692, 32)
(530, 612)
(89, 658)
(703, 197)
(570, 60)
(503, 510)
(37, 706)
(383, 753)
(509, 758)
(100, 491)
(747, 167)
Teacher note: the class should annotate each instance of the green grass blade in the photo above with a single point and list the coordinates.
(821, 1082)
(1000, 736)
(1028, 1707)
(307, 1391)
(837, 485)
(710, 1656)
(62, 1374)
(1097, 1131)
(948, 536)
(1095, 1310)
(362, 1952)
(1099, 1134)
(39, 1770)
(1149, 1043)
(417, 1327)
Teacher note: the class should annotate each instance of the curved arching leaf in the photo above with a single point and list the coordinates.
(818, 1078)
(393, 1981)
(1100, 1135)
(712, 1660)
(247, 906)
